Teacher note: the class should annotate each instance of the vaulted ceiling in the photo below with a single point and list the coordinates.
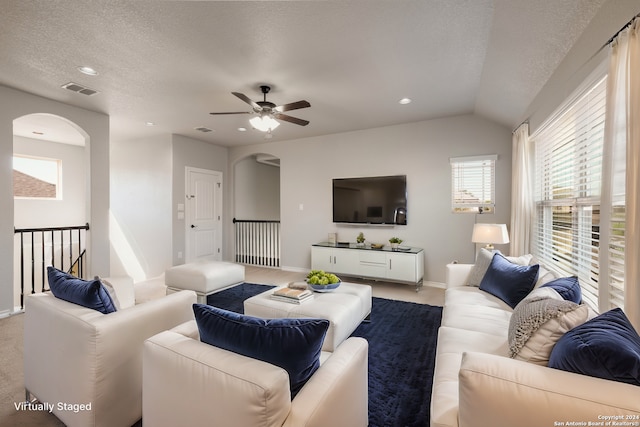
(173, 62)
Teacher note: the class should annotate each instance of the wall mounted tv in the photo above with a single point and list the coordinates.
(370, 200)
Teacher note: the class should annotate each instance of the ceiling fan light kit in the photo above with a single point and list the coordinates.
(268, 112)
(264, 123)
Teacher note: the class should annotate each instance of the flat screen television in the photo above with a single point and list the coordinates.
(370, 200)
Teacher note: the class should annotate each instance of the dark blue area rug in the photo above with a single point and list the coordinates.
(402, 343)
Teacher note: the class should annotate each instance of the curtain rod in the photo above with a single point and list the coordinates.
(518, 127)
(624, 27)
(627, 25)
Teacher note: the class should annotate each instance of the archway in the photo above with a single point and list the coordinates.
(51, 191)
(256, 210)
(95, 125)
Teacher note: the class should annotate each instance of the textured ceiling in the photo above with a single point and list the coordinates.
(173, 62)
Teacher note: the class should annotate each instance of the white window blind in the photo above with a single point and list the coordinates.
(568, 234)
(473, 184)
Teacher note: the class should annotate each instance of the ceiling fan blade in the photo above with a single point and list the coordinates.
(233, 112)
(292, 106)
(290, 119)
(246, 99)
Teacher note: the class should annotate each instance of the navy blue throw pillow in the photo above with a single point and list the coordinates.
(292, 344)
(606, 346)
(567, 287)
(507, 281)
(87, 293)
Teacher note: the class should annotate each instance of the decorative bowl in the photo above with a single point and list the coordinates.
(325, 288)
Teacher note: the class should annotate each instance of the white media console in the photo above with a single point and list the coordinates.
(405, 265)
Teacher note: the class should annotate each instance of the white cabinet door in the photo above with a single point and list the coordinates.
(321, 258)
(344, 261)
(404, 267)
(333, 260)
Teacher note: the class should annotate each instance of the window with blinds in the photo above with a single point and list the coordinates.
(473, 184)
(574, 224)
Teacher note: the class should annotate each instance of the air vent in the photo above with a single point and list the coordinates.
(203, 129)
(75, 87)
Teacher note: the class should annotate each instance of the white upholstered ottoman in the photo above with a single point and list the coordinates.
(204, 276)
(345, 308)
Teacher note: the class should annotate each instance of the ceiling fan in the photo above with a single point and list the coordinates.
(268, 112)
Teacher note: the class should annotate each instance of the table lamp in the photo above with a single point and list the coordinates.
(490, 234)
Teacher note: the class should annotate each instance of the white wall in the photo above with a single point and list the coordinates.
(148, 182)
(198, 154)
(141, 179)
(419, 150)
(256, 190)
(71, 209)
(95, 127)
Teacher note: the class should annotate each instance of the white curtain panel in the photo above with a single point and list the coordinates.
(521, 192)
(622, 138)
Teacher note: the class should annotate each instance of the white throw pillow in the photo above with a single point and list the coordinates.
(539, 321)
(121, 291)
(480, 267)
(520, 260)
(545, 276)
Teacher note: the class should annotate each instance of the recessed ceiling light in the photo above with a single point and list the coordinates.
(405, 101)
(150, 124)
(242, 129)
(88, 71)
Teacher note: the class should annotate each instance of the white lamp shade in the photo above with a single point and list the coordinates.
(264, 123)
(490, 234)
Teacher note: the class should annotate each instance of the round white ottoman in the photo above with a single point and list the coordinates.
(205, 277)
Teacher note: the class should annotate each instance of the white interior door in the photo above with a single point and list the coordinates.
(203, 214)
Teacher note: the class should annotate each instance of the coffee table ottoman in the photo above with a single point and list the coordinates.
(204, 276)
(345, 308)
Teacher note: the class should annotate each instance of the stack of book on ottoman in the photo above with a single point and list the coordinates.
(295, 293)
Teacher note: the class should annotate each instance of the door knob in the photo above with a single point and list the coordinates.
(193, 226)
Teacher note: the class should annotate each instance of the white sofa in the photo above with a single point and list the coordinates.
(190, 383)
(476, 384)
(77, 356)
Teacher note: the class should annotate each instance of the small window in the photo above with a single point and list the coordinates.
(36, 178)
(473, 184)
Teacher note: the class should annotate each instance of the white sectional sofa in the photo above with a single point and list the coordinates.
(477, 384)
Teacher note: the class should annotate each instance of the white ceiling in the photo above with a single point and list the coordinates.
(173, 62)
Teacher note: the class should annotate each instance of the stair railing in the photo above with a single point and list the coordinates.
(257, 242)
(60, 247)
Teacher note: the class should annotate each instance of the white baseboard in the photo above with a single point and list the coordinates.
(294, 269)
(7, 313)
(439, 285)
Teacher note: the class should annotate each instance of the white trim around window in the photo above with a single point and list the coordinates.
(473, 184)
